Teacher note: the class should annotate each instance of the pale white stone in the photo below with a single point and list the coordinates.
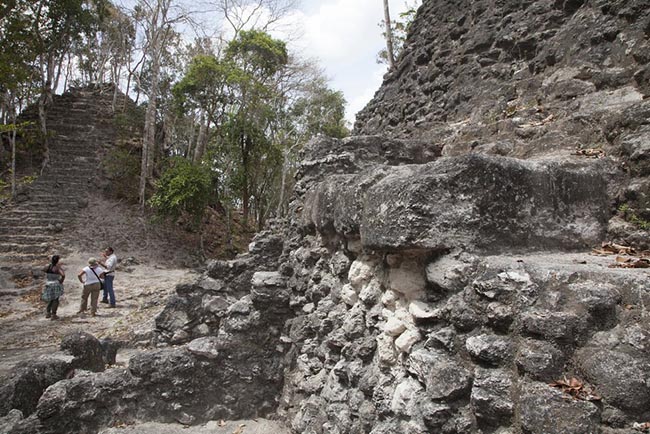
(267, 278)
(387, 314)
(515, 277)
(394, 327)
(389, 297)
(404, 400)
(407, 279)
(370, 292)
(361, 272)
(402, 313)
(406, 340)
(386, 350)
(201, 330)
(422, 310)
(349, 295)
(449, 273)
(308, 308)
(206, 347)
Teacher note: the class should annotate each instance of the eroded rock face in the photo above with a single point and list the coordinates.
(27, 381)
(475, 202)
(424, 281)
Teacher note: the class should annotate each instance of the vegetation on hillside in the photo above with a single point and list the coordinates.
(217, 121)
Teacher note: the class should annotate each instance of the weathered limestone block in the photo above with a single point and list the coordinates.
(86, 349)
(621, 377)
(404, 402)
(444, 378)
(328, 156)
(361, 271)
(406, 340)
(407, 279)
(450, 273)
(491, 397)
(475, 201)
(557, 326)
(490, 349)
(394, 327)
(206, 347)
(546, 410)
(27, 381)
(541, 360)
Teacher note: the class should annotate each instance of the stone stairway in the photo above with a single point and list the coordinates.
(81, 123)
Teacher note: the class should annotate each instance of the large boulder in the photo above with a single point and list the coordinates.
(87, 350)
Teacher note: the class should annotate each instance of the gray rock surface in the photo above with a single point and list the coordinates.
(424, 280)
(257, 426)
(468, 202)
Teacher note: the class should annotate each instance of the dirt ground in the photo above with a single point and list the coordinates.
(141, 291)
(153, 259)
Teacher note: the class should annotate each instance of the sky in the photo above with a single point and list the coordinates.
(345, 37)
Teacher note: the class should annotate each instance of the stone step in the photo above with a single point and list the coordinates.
(26, 238)
(45, 205)
(23, 230)
(57, 171)
(24, 258)
(39, 248)
(25, 212)
(70, 160)
(32, 221)
(61, 188)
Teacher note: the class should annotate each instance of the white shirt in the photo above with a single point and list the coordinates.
(90, 276)
(111, 263)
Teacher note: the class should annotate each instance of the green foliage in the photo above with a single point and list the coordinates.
(129, 123)
(629, 214)
(122, 167)
(183, 187)
(258, 53)
(321, 111)
(5, 189)
(204, 85)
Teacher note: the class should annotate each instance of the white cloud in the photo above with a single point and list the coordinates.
(345, 37)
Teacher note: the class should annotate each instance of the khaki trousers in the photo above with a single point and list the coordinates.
(93, 291)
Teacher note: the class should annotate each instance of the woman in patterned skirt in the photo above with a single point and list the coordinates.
(53, 286)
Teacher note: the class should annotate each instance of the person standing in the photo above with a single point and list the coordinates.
(110, 262)
(90, 277)
(53, 288)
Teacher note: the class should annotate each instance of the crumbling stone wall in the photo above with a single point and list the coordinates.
(433, 278)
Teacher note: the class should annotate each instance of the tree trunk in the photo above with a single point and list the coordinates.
(12, 139)
(245, 179)
(389, 37)
(149, 138)
(201, 139)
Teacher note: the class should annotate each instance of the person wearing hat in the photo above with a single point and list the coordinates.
(90, 277)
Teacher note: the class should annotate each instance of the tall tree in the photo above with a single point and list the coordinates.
(158, 23)
(395, 31)
(388, 34)
(55, 26)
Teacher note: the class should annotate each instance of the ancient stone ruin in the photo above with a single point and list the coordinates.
(434, 275)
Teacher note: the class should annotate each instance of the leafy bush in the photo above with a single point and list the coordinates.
(183, 187)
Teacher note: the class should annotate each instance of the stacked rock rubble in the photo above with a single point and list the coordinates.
(432, 275)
